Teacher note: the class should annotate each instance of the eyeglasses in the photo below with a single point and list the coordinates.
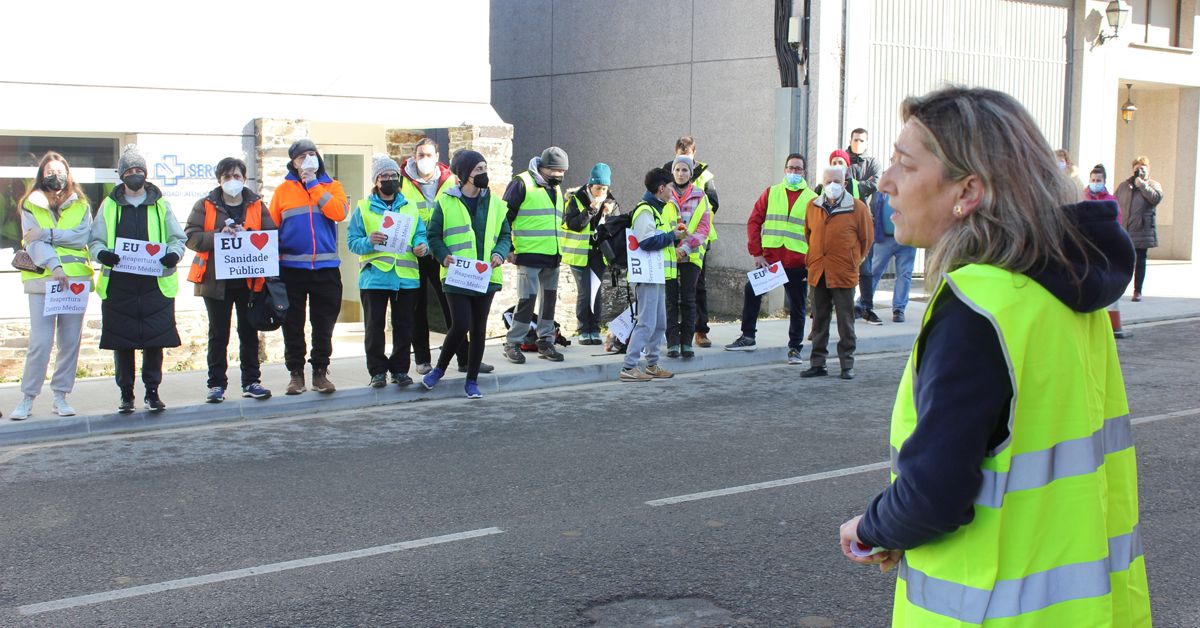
(389, 177)
(794, 169)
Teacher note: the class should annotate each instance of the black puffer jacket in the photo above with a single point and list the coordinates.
(136, 315)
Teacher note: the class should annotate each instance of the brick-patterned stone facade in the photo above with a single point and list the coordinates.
(273, 137)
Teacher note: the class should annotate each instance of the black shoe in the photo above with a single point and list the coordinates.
(687, 353)
(871, 318)
(546, 351)
(897, 316)
(673, 353)
(814, 371)
(153, 403)
(513, 354)
(484, 367)
(402, 379)
(378, 380)
(847, 373)
(126, 406)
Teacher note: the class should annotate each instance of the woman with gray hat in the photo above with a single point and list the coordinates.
(138, 310)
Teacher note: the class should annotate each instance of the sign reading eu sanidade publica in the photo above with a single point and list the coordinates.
(246, 254)
(469, 274)
(139, 257)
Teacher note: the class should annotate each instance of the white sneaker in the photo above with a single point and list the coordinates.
(23, 409)
(61, 406)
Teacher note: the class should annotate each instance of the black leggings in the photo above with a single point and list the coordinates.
(467, 314)
(1139, 270)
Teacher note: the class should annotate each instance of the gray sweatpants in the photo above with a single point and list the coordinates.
(42, 331)
(650, 330)
(532, 281)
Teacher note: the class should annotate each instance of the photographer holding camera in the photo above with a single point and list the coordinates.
(1139, 196)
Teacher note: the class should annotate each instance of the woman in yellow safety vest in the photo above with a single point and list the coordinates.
(55, 222)
(1013, 499)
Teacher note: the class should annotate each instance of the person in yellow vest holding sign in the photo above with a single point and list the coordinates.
(138, 309)
(469, 223)
(229, 208)
(56, 222)
(581, 251)
(535, 212)
(775, 235)
(1013, 499)
(388, 274)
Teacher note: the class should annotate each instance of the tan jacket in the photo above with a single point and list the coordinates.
(838, 241)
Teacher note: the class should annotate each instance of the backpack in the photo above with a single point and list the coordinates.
(613, 230)
(267, 309)
(529, 342)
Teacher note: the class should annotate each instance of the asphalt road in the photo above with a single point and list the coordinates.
(551, 489)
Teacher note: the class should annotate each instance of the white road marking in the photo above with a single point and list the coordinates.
(183, 583)
(746, 488)
(866, 468)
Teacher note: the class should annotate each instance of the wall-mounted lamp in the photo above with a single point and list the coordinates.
(1128, 109)
(1117, 14)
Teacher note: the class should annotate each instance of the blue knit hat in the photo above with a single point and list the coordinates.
(601, 175)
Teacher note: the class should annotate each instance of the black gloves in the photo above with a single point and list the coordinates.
(170, 260)
(108, 258)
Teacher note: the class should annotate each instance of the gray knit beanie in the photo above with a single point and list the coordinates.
(381, 163)
(131, 157)
(299, 146)
(555, 158)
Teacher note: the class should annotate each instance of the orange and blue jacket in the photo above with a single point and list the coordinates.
(307, 217)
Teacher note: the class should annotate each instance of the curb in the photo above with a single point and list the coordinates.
(238, 410)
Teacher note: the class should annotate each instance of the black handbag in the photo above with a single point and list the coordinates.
(268, 308)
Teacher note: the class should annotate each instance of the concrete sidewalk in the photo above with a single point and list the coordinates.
(96, 398)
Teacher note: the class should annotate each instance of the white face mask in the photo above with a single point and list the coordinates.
(1062, 165)
(833, 191)
(310, 163)
(426, 166)
(233, 187)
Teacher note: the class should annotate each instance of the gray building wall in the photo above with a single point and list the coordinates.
(619, 81)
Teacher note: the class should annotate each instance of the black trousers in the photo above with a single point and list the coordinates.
(220, 314)
(431, 280)
(320, 293)
(375, 313)
(468, 317)
(702, 295)
(826, 301)
(797, 292)
(152, 361)
(1139, 269)
(681, 305)
(587, 312)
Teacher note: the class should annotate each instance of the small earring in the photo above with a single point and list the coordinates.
(958, 210)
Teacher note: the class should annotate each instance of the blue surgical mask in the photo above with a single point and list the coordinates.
(1096, 188)
(794, 180)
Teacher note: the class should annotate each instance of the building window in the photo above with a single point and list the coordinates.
(1159, 20)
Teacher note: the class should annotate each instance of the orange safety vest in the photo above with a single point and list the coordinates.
(200, 261)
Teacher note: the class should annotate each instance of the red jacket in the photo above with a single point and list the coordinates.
(758, 216)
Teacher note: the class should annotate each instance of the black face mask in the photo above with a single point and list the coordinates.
(480, 180)
(388, 188)
(55, 182)
(134, 182)
(553, 181)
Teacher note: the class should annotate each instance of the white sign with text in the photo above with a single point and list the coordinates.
(643, 266)
(398, 228)
(469, 274)
(70, 300)
(621, 327)
(139, 257)
(246, 254)
(764, 280)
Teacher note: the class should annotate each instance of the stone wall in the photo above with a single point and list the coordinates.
(494, 143)
(273, 137)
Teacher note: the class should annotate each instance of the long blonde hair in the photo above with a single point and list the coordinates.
(1021, 223)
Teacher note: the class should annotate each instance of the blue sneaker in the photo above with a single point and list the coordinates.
(432, 378)
(472, 389)
(256, 391)
(216, 394)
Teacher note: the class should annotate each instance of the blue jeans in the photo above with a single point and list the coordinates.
(905, 256)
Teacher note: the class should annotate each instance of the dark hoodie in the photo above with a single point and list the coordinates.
(963, 392)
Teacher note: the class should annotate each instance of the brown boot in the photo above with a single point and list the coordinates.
(296, 385)
(702, 340)
(321, 381)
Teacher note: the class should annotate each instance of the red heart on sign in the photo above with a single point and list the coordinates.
(633, 245)
(480, 267)
(153, 249)
(774, 267)
(259, 240)
(76, 288)
(388, 222)
(862, 547)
